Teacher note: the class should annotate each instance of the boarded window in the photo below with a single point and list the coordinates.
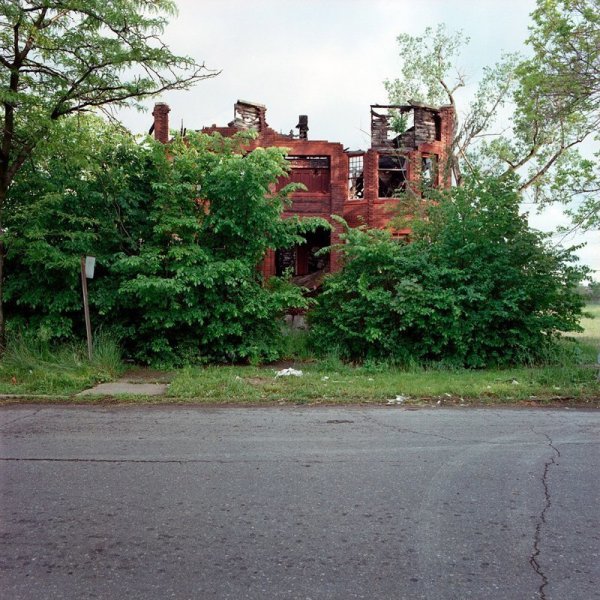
(355, 177)
(392, 175)
(311, 171)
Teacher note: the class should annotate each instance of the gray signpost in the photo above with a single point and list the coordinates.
(87, 272)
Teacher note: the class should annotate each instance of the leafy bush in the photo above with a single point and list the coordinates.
(475, 287)
(177, 233)
(82, 192)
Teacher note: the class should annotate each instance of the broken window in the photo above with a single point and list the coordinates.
(429, 173)
(394, 127)
(311, 171)
(392, 175)
(305, 258)
(437, 120)
(285, 261)
(355, 177)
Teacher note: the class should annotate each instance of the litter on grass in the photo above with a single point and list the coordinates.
(289, 373)
(398, 400)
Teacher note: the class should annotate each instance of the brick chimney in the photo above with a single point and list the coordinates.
(448, 127)
(161, 122)
(302, 127)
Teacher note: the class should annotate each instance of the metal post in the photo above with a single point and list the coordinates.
(86, 308)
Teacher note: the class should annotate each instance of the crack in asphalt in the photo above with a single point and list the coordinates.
(368, 417)
(163, 461)
(107, 460)
(471, 441)
(183, 461)
(537, 538)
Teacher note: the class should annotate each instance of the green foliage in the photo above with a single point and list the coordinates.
(551, 142)
(426, 61)
(69, 57)
(36, 366)
(177, 234)
(295, 345)
(565, 37)
(593, 292)
(63, 57)
(82, 192)
(192, 291)
(559, 94)
(476, 287)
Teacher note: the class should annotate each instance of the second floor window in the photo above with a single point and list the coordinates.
(312, 171)
(393, 173)
(355, 177)
(429, 173)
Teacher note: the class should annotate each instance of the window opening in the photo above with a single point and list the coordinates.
(401, 123)
(429, 173)
(392, 175)
(355, 177)
(285, 261)
(304, 259)
(437, 120)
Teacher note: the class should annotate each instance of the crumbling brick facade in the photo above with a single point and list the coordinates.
(410, 144)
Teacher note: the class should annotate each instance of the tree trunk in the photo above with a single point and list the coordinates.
(3, 194)
(2, 322)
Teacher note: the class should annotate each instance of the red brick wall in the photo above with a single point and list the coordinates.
(161, 122)
(448, 125)
(306, 204)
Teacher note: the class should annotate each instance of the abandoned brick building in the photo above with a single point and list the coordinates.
(408, 143)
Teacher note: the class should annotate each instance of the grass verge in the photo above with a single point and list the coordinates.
(33, 367)
(32, 370)
(322, 384)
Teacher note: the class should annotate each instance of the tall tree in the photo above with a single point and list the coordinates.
(429, 74)
(563, 77)
(59, 57)
(565, 37)
(553, 96)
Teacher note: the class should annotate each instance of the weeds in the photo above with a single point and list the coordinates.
(32, 365)
(295, 345)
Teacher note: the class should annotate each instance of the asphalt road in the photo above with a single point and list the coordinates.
(299, 503)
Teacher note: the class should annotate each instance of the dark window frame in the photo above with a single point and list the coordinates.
(392, 175)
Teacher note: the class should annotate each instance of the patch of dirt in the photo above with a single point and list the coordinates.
(146, 375)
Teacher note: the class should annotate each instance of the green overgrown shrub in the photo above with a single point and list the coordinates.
(475, 287)
(178, 233)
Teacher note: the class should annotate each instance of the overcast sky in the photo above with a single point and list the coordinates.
(328, 59)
